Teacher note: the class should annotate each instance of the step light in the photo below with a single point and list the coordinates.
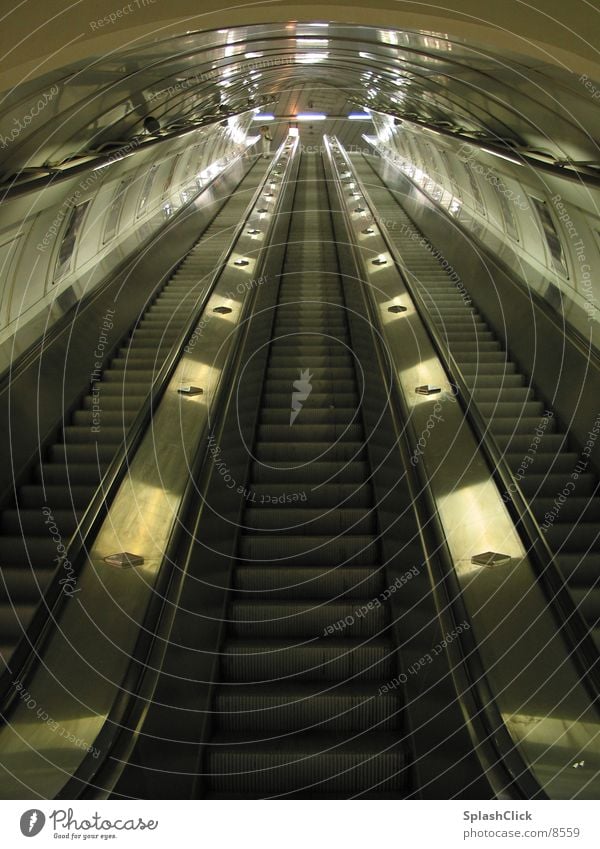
(490, 558)
(397, 308)
(190, 390)
(426, 389)
(124, 560)
(223, 310)
(241, 262)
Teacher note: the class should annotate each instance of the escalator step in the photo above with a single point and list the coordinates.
(305, 521)
(304, 619)
(319, 660)
(323, 763)
(298, 708)
(308, 582)
(309, 550)
(23, 587)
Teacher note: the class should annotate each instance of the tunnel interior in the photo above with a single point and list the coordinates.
(394, 230)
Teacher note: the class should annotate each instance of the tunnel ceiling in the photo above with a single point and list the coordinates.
(202, 77)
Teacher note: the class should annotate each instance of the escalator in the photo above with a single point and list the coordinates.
(557, 481)
(49, 505)
(296, 709)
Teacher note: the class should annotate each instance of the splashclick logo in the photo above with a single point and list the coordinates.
(32, 822)
(302, 389)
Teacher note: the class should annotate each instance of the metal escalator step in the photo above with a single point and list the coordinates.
(298, 452)
(574, 537)
(511, 443)
(501, 394)
(306, 521)
(318, 399)
(320, 384)
(31, 496)
(552, 485)
(76, 473)
(119, 389)
(579, 569)
(135, 363)
(470, 346)
(80, 453)
(284, 619)
(337, 359)
(542, 461)
(112, 418)
(309, 550)
(113, 402)
(269, 496)
(14, 620)
(305, 474)
(325, 371)
(107, 434)
(306, 433)
(22, 586)
(310, 414)
(297, 707)
(125, 376)
(588, 604)
(455, 338)
(33, 522)
(296, 582)
(323, 763)
(506, 425)
(20, 551)
(512, 409)
(572, 509)
(483, 362)
(325, 659)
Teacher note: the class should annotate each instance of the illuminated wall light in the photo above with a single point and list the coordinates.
(307, 116)
(253, 55)
(313, 42)
(359, 116)
(265, 117)
(311, 58)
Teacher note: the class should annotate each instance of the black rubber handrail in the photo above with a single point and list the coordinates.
(28, 649)
(582, 647)
(505, 767)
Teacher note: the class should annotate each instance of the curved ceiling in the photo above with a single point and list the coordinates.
(443, 81)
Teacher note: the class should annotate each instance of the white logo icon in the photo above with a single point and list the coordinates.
(302, 389)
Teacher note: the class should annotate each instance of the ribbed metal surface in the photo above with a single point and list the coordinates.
(67, 477)
(297, 710)
(537, 448)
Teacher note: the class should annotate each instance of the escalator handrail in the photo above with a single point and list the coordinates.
(504, 765)
(119, 731)
(29, 648)
(581, 644)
